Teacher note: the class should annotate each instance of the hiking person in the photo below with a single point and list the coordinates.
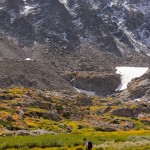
(88, 144)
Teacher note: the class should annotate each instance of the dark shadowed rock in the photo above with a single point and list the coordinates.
(101, 83)
(125, 112)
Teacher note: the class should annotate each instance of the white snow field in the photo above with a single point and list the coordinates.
(129, 73)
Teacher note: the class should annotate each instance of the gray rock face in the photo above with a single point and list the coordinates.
(102, 83)
(132, 112)
(116, 27)
(45, 22)
(125, 112)
(140, 87)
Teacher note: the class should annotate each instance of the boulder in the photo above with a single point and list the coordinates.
(125, 112)
(45, 115)
(83, 100)
(101, 83)
(32, 132)
(105, 110)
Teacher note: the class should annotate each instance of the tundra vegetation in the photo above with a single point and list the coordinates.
(42, 120)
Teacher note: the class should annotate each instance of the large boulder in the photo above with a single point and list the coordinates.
(101, 83)
(125, 112)
(133, 111)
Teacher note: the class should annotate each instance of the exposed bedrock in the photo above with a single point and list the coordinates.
(101, 83)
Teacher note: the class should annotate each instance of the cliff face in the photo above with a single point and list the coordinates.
(101, 83)
(116, 27)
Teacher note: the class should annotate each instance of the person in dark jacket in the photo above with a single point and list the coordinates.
(88, 144)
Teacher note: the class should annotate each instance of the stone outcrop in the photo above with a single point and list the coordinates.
(140, 87)
(132, 112)
(125, 112)
(101, 83)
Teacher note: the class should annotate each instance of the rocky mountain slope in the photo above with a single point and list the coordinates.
(117, 27)
(32, 74)
(73, 36)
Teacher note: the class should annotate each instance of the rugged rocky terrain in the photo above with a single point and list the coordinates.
(28, 73)
(26, 111)
(118, 27)
(75, 35)
(140, 87)
(57, 45)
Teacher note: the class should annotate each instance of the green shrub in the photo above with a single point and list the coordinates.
(59, 109)
(66, 115)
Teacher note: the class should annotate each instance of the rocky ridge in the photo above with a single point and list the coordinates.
(101, 83)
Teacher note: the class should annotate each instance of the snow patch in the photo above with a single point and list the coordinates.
(148, 54)
(78, 23)
(129, 73)
(27, 9)
(137, 100)
(111, 4)
(95, 6)
(64, 1)
(64, 35)
(28, 59)
(70, 10)
(120, 21)
(90, 93)
(25, 1)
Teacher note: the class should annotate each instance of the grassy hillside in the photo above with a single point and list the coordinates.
(121, 140)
